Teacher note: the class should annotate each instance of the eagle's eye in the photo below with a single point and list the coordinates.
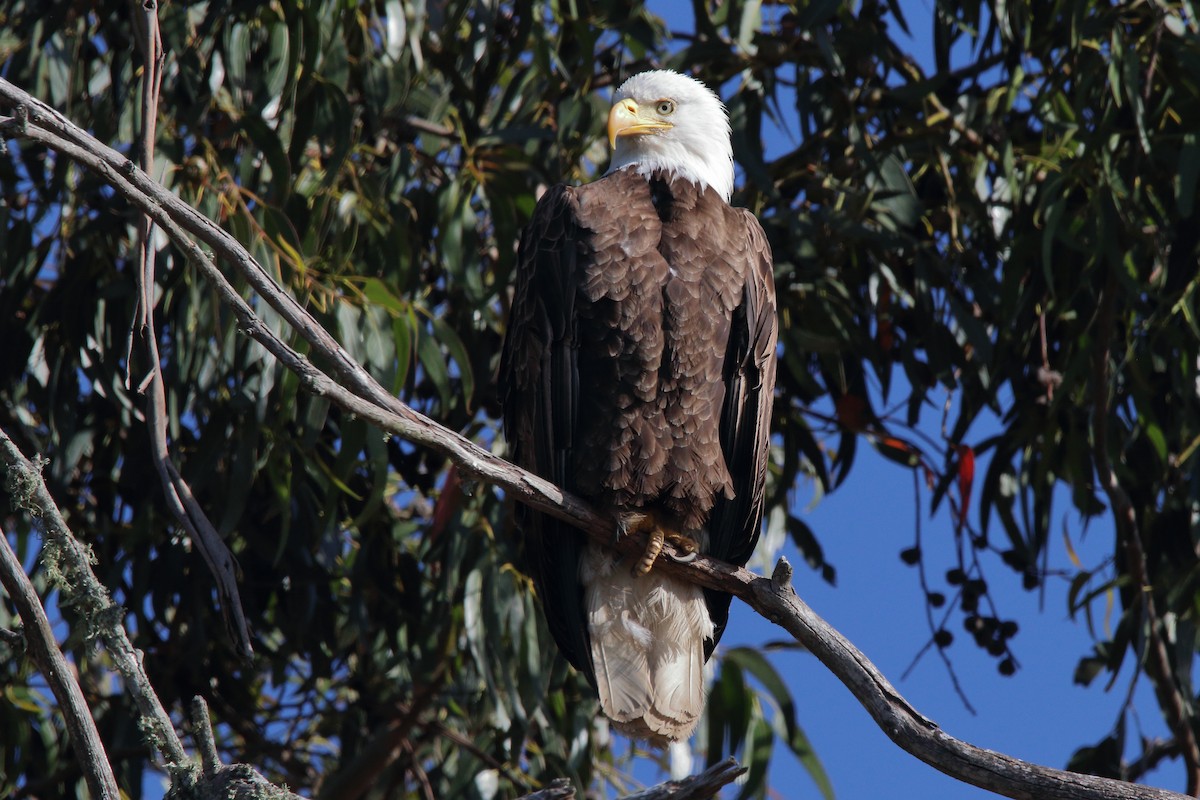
(665, 107)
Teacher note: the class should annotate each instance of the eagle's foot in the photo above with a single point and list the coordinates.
(688, 547)
(653, 548)
(660, 532)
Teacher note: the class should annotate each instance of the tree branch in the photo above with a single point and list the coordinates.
(694, 787)
(40, 644)
(202, 733)
(65, 556)
(178, 493)
(361, 395)
(903, 724)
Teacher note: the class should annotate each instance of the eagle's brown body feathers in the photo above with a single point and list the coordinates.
(637, 373)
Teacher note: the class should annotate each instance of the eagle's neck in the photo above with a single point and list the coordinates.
(713, 168)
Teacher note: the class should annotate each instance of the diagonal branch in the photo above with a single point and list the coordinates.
(81, 587)
(39, 639)
(357, 392)
(694, 787)
(79, 584)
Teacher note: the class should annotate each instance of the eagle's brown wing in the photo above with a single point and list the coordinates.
(749, 377)
(539, 386)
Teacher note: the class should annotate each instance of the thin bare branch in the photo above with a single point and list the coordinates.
(40, 644)
(179, 496)
(425, 126)
(694, 787)
(202, 733)
(145, 16)
(66, 556)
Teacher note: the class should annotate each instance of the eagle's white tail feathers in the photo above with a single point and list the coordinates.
(647, 638)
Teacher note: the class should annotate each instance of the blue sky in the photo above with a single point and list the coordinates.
(1038, 714)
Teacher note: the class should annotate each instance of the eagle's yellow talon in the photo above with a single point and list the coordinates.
(688, 546)
(684, 542)
(653, 548)
(659, 533)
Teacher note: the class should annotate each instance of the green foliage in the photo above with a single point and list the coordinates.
(736, 723)
(942, 241)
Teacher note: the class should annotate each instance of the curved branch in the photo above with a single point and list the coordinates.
(39, 639)
(912, 731)
(214, 780)
(773, 598)
(85, 591)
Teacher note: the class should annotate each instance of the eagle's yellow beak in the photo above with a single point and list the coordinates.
(626, 119)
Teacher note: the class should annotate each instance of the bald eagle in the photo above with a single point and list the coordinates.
(637, 373)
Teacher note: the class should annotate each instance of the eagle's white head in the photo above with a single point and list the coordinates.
(664, 120)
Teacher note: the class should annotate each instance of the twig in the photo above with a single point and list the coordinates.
(202, 733)
(40, 644)
(425, 126)
(1158, 659)
(178, 493)
(354, 779)
(462, 741)
(695, 787)
(557, 789)
(145, 17)
(416, 768)
(363, 396)
(1153, 751)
